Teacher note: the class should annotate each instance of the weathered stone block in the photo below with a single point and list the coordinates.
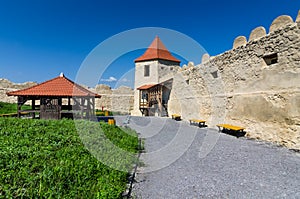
(205, 57)
(239, 41)
(298, 18)
(257, 33)
(280, 22)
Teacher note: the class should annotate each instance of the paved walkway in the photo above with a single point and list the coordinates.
(233, 168)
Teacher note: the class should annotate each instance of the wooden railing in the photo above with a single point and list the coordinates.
(14, 114)
(144, 105)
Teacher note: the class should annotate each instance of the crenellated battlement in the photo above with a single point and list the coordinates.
(279, 23)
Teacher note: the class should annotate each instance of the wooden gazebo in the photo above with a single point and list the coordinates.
(57, 98)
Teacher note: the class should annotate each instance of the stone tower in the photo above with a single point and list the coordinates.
(153, 69)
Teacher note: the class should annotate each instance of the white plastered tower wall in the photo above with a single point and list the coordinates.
(140, 79)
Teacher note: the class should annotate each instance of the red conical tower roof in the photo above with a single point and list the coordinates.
(157, 50)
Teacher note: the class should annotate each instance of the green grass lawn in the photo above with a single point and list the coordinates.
(47, 159)
(6, 108)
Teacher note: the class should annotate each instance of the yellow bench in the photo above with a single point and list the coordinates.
(176, 117)
(231, 127)
(111, 121)
(201, 123)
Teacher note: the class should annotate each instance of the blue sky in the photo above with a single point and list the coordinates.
(40, 39)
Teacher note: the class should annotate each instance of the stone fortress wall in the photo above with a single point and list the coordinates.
(118, 100)
(8, 86)
(255, 85)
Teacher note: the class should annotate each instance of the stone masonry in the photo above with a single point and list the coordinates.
(255, 85)
(8, 86)
(116, 100)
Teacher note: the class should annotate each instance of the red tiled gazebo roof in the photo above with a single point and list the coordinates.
(157, 50)
(58, 87)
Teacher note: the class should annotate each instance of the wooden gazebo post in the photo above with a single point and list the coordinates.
(93, 101)
(21, 101)
(33, 108)
(88, 108)
(19, 106)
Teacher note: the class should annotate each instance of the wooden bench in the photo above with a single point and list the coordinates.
(237, 129)
(200, 123)
(176, 117)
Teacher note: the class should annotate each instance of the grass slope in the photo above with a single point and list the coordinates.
(46, 159)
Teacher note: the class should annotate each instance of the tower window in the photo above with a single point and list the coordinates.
(271, 59)
(146, 71)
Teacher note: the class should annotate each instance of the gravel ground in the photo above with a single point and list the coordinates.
(234, 167)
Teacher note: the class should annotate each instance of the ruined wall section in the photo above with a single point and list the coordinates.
(8, 86)
(239, 87)
(122, 100)
(116, 100)
(189, 95)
